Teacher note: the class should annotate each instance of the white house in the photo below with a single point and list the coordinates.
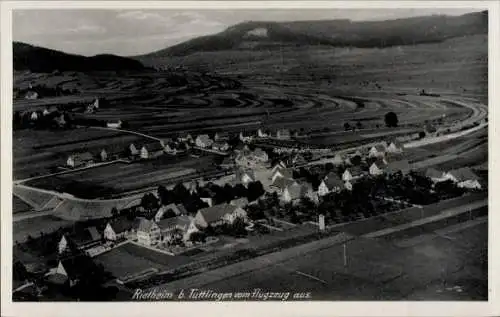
(394, 147)
(148, 233)
(464, 177)
(262, 134)
(331, 183)
(63, 245)
(133, 149)
(114, 124)
(34, 116)
(245, 137)
(337, 160)
(376, 169)
(377, 151)
(283, 134)
(295, 191)
(283, 173)
(219, 214)
(118, 229)
(151, 150)
(203, 141)
(80, 159)
(352, 173)
(180, 226)
(435, 175)
(244, 177)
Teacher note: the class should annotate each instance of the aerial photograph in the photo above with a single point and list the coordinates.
(250, 155)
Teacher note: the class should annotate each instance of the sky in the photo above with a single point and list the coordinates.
(134, 32)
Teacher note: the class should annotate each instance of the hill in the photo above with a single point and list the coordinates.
(267, 35)
(44, 60)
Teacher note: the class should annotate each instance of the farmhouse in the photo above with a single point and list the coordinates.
(87, 238)
(377, 151)
(280, 183)
(337, 160)
(219, 214)
(352, 173)
(331, 183)
(80, 159)
(185, 138)
(377, 168)
(239, 202)
(395, 147)
(114, 124)
(111, 152)
(244, 177)
(31, 95)
(435, 175)
(280, 165)
(295, 191)
(203, 141)
(132, 149)
(464, 177)
(148, 232)
(69, 271)
(261, 133)
(177, 227)
(245, 136)
(170, 209)
(171, 148)
(151, 150)
(118, 229)
(283, 134)
(34, 116)
(220, 146)
(283, 173)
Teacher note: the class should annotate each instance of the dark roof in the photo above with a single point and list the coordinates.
(379, 148)
(84, 156)
(332, 182)
(182, 220)
(94, 233)
(153, 146)
(114, 149)
(121, 224)
(282, 183)
(433, 173)
(77, 265)
(145, 225)
(214, 213)
(240, 202)
(463, 174)
(178, 209)
(355, 170)
(286, 172)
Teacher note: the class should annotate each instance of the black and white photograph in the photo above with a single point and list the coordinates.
(249, 154)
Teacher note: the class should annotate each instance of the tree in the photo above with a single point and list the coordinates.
(164, 196)
(329, 166)
(149, 202)
(255, 190)
(391, 119)
(421, 135)
(114, 212)
(198, 236)
(347, 126)
(356, 160)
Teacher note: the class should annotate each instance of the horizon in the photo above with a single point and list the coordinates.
(136, 32)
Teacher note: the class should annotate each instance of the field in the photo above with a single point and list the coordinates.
(34, 226)
(129, 259)
(119, 178)
(40, 152)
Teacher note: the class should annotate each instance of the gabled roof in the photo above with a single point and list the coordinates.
(295, 190)
(77, 265)
(203, 138)
(182, 220)
(393, 157)
(379, 163)
(464, 174)
(333, 181)
(114, 149)
(259, 152)
(214, 213)
(84, 156)
(145, 225)
(94, 233)
(402, 165)
(240, 202)
(355, 170)
(178, 209)
(286, 172)
(396, 143)
(433, 173)
(282, 183)
(121, 224)
(153, 146)
(379, 148)
(240, 173)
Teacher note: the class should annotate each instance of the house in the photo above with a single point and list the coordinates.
(192, 187)
(295, 191)
(377, 151)
(280, 165)
(280, 183)
(114, 124)
(81, 240)
(296, 159)
(283, 134)
(112, 152)
(34, 116)
(464, 177)
(203, 141)
(260, 155)
(331, 183)
(429, 128)
(70, 271)
(239, 202)
(180, 226)
(337, 160)
(261, 133)
(352, 173)
(170, 148)
(132, 149)
(394, 147)
(118, 229)
(244, 177)
(283, 173)
(148, 232)
(221, 136)
(31, 95)
(80, 159)
(377, 168)
(185, 138)
(220, 146)
(151, 150)
(435, 175)
(219, 214)
(402, 166)
(245, 136)
(173, 209)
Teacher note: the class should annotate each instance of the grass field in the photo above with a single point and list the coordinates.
(118, 178)
(34, 226)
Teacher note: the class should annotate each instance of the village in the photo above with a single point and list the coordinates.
(267, 190)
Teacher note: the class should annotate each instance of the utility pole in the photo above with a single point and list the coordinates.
(345, 255)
